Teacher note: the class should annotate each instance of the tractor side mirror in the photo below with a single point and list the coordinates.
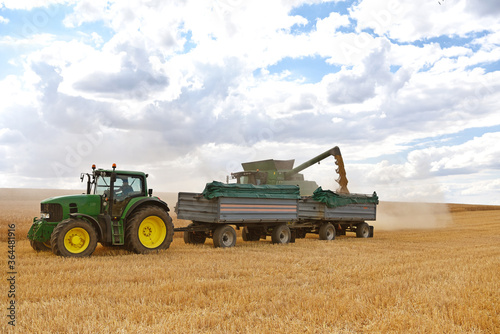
(150, 192)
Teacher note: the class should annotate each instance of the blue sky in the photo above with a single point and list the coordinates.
(186, 92)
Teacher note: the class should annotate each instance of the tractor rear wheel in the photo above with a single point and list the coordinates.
(149, 229)
(327, 232)
(281, 234)
(73, 238)
(224, 236)
(40, 246)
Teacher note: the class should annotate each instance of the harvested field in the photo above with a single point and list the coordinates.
(437, 278)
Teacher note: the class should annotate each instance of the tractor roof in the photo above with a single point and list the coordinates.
(127, 172)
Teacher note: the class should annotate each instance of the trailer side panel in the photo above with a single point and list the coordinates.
(234, 209)
(310, 209)
(352, 212)
(192, 206)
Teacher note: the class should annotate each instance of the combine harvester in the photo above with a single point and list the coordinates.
(269, 198)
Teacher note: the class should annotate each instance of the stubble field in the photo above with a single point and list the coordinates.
(431, 268)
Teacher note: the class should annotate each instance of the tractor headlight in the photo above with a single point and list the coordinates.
(45, 215)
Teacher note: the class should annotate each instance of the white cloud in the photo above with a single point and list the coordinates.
(482, 187)
(86, 11)
(479, 153)
(35, 40)
(18, 92)
(421, 170)
(30, 4)
(408, 20)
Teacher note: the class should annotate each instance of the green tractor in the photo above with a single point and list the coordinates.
(117, 210)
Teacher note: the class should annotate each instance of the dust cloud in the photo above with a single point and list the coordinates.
(412, 215)
(169, 197)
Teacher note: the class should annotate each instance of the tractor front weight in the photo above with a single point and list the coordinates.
(41, 230)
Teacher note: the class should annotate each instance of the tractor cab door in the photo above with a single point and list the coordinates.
(124, 189)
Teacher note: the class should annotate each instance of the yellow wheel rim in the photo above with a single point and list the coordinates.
(152, 232)
(76, 240)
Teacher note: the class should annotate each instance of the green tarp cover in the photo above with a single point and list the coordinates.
(332, 199)
(219, 189)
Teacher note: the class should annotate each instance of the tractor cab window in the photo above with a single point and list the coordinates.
(102, 185)
(125, 186)
(128, 186)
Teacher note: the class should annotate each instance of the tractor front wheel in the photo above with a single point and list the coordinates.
(40, 246)
(73, 238)
(149, 229)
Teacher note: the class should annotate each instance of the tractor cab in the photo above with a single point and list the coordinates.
(116, 188)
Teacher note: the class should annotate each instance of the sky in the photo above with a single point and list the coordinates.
(188, 90)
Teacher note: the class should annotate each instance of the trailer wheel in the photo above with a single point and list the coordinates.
(194, 238)
(362, 230)
(149, 229)
(327, 232)
(224, 236)
(40, 246)
(300, 233)
(73, 238)
(245, 234)
(281, 234)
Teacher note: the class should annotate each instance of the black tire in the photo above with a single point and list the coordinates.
(148, 230)
(362, 230)
(281, 234)
(250, 235)
(245, 235)
(224, 236)
(194, 238)
(300, 233)
(327, 232)
(73, 238)
(40, 246)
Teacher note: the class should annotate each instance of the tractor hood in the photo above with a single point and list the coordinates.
(59, 208)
